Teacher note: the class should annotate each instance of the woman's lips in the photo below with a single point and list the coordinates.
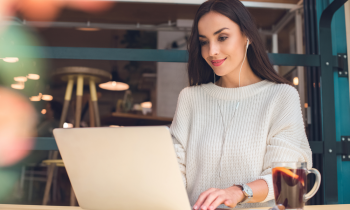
(218, 62)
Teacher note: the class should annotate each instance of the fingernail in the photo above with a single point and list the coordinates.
(195, 207)
(210, 207)
(203, 208)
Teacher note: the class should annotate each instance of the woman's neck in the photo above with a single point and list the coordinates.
(231, 80)
(221, 82)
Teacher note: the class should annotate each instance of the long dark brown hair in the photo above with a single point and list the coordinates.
(200, 72)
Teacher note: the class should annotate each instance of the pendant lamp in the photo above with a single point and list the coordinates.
(116, 84)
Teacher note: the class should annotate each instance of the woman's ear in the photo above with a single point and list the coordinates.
(250, 41)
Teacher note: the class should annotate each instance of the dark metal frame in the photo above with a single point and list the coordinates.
(330, 178)
(329, 148)
(314, 95)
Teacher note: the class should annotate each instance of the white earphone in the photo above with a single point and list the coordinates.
(242, 64)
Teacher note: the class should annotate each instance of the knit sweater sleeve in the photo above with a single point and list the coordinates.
(286, 139)
(180, 129)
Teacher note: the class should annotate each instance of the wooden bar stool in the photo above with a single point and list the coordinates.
(82, 76)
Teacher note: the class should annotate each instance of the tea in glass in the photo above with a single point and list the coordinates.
(289, 184)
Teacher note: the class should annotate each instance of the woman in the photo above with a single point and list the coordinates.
(238, 115)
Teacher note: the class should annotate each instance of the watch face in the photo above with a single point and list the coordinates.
(248, 190)
(245, 193)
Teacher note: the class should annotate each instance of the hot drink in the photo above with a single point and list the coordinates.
(289, 187)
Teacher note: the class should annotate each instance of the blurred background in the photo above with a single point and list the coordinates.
(33, 89)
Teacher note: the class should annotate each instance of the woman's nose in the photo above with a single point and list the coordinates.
(213, 50)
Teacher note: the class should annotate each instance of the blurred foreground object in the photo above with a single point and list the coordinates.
(17, 127)
(46, 10)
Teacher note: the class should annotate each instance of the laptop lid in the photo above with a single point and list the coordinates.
(123, 168)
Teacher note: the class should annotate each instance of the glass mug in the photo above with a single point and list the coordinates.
(289, 184)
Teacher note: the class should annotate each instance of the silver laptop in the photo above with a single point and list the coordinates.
(123, 168)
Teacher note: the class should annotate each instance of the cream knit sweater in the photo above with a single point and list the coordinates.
(267, 127)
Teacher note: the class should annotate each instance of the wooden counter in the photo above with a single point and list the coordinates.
(33, 207)
(124, 119)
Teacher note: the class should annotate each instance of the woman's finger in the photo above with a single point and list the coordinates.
(209, 200)
(230, 203)
(217, 202)
(202, 198)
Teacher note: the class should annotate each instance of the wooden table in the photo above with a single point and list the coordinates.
(317, 207)
(34, 207)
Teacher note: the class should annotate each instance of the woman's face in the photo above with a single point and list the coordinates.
(223, 45)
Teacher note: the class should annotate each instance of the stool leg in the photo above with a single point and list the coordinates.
(67, 99)
(91, 114)
(80, 86)
(23, 175)
(52, 167)
(50, 172)
(30, 194)
(94, 102)
(54, 185)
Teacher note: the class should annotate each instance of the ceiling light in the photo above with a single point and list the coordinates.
(33, 76)
(88, 29)
(43, 111)
(146, 107)
(296, 81)
(116, 84)
(18, 86)
(47, 97)
(67, 125)
(10, 59)
(146, 104)
(20, 79)
(36, 98)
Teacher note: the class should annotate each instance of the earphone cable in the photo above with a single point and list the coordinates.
(234, 114)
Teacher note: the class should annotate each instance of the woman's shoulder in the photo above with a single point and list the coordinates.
(285, 97)
(189, 90)
(284, 91)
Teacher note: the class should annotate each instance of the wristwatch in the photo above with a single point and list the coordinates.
(247, 191)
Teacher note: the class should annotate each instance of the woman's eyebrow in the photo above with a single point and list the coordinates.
(218, 31)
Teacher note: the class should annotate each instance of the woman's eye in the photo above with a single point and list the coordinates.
(203, 43)
(223, 38)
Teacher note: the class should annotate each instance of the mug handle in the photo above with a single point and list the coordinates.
(316, 185)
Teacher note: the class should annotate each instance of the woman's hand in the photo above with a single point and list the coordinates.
(212, 198)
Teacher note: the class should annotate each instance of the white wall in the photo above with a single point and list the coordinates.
(171, 77)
